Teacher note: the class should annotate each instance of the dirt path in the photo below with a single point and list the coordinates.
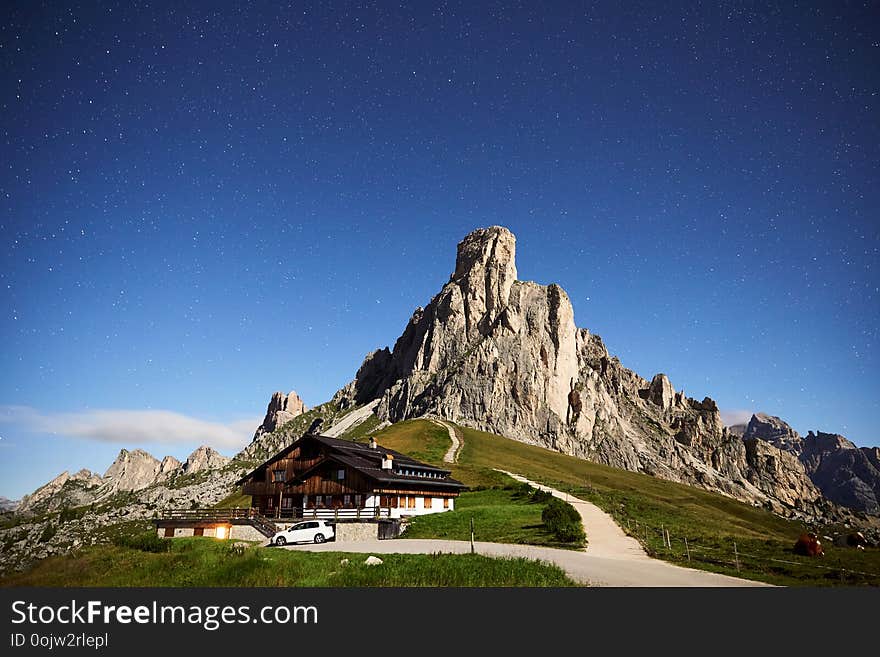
(605, 538)
(451, 456)
(611, 559)
(580, 566)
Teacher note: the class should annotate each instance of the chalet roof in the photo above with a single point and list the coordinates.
(370, 466)
(368, 460)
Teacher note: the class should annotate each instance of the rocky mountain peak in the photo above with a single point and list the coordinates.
(505, 356)
(132, 470)
(485, 270)
(281, 409)
(204, 458)
(168, 466)
(775, 431)
(828, 442)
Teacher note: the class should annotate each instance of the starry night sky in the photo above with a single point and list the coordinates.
(204, 204)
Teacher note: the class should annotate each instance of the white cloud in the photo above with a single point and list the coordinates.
(132, 426)
(734, 416)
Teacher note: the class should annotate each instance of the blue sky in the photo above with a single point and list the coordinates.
(202, 205)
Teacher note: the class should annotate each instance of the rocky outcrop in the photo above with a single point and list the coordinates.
(845, 474)
(131, 471)
(64, 490)
(204, 458)
(282, 409)
(775, 431)
(505, 356)
(168, 468)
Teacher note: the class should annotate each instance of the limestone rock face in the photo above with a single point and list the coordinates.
(204, 458)
(132, 471)
(282, 408)
(846, 474)
(505, 356)
(774, 431)
(168, 467)
(63, 490)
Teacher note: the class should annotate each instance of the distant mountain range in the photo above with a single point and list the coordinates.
(845, 474)
(131, 471)
(7, 504)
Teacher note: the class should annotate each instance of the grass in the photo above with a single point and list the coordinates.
(194, 562)
(361, 431)
(420, 439)
(711, 522)
(233, 500)
(503, 515)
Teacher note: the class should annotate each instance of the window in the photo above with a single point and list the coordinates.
(286, 502)
(319, 500)
(278, 476)
(340, 474)
(329, 501)
(357, 500)
(445, 502)
(346, 501)
(428, 501)
(411, 502)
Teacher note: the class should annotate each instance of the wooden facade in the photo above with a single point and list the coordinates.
(318, 472)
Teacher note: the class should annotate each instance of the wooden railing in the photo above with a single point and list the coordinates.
(253, 516)
(366, 513)
(218, 515)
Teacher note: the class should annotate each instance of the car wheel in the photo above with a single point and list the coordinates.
(319, 538)
(280, 541)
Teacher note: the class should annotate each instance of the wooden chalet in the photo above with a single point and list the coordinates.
(319, 476)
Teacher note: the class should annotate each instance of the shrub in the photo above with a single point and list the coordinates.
(48, 533)
(145, 542)
(67, 514)
(541, 496)
(563, 521)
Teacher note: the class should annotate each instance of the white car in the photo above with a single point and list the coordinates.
(305, 532)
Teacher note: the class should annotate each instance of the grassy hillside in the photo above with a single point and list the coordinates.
(646, 507)
(208, 562)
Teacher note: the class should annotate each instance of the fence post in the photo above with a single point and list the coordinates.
(686, 548)
(472, 534)
(735, 555)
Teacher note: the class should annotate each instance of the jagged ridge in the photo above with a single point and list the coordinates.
(505, 356)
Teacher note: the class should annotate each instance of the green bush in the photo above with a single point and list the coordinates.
(563, 521)
(541, 496)
(67, 514)
(48, 533)
(145, 542)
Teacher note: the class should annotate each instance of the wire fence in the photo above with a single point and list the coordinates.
(690, 549)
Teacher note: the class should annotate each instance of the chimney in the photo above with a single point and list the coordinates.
(372, 443)
(388, 462)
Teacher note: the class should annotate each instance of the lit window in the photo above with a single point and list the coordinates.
(445, 502)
